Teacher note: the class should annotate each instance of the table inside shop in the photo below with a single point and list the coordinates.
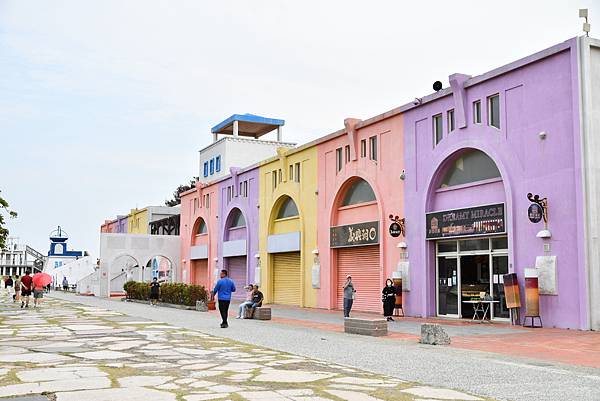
(481, 306)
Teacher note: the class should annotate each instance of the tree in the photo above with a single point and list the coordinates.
(4, 209)
(176, 195)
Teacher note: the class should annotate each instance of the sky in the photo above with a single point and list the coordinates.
(105, 104)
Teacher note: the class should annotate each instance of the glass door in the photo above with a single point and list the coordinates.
(474, 281)
(499, 269)
(447, 286)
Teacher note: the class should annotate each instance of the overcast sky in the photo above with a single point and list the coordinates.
(104, 104)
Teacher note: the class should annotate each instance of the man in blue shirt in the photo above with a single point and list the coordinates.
(223, 290)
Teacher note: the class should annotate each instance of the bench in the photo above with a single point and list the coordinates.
(260, 313)
(366, 327)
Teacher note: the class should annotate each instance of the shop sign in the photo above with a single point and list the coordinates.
(535, 213)
(479, 220)
(395, 230)
(354, 235)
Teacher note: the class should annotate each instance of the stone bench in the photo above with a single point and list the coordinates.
(260, 313)
(366, 327)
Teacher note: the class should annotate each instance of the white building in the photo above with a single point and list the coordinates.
(17, 258)
(240, 146)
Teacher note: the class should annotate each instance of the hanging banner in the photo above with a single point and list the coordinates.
(479, 220)
(354, 235)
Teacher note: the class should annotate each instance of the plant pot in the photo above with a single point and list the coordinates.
(211, 305)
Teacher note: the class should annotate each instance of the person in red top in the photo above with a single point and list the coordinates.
(26, 286)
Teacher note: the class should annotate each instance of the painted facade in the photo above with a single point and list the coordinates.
(238, 237)
(292, 175)
(137, 221)
(198, 233)
(536, 150)
(369, 151)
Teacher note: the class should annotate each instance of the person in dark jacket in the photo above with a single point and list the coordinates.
(388, 296)
(154, 291)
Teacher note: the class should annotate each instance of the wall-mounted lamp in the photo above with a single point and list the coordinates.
(402, 245)
(403, 175)
(257, 256)
(315, 251)
(542, 135)
(216, 259)
(183, 260)
(545, 234)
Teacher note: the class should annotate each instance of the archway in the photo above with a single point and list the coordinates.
(467, 233)
(160, 267)
(354, 239)
(200, 241)
(235, 249)
(123, 268)
(285, 255)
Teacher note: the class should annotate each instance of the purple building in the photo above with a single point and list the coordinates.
(238, 226)
(121, 225)
(473, 153)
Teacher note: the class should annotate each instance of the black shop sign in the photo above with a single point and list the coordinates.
(354, 235)
(479, 220)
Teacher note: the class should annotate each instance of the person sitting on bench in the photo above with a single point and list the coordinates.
(257, 299)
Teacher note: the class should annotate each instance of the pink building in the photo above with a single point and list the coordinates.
(360, 184)
(199, 208)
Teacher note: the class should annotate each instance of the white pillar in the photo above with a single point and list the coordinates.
(279, 132)
(215, 137)
(235, 128)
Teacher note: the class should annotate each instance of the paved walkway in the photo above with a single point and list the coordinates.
(68, 351)
(498, 375)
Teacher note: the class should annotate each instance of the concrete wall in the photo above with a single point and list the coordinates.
(193, 209)
(305, 197)
(248, 205)
(589, 61)
(382, 175)
(537, 94)
(139, 249)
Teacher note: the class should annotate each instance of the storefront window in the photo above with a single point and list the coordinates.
(500, 243)
(474, 245)
(471, 166)
(447, 246)
(359, 192)
(288, 209)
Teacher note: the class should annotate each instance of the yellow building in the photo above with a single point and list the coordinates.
(138, 221)
(288, 226)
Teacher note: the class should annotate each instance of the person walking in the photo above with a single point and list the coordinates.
(248, 302)
(38, 294)
(223, 289)
(26, 288)
(65, 284)
(388, 296)
(8, 283)
(17, 294)
(154, 291)
(349, 293)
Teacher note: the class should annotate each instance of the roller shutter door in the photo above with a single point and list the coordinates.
(200, 272)
(362, 263)
(236, 269)
(286, 278)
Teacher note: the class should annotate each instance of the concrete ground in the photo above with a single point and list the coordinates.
(70, 351)
(500, 375)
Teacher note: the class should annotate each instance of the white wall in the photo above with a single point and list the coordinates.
(140, 247)
(590, 129)
(74, 271)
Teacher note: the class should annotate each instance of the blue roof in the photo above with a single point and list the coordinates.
(248, 118)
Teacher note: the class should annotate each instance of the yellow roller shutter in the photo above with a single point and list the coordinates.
(286, 278)
(362, 263)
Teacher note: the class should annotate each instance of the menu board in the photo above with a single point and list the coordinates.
(479, 220)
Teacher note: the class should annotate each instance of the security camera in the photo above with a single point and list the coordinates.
(542, 135)
(403, 175)
(417, 101)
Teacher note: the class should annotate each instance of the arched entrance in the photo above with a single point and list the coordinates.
(355, 243)
(199, 272)
(466, 227)
(235, 252)
(284, 253)
(160, 267)
(123, 268)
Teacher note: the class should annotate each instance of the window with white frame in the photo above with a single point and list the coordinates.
(347, 152)
(450, 120)
(494, 111)
(437, 128)
(373, 147)
(477, 112)
(297, 175)
(363, 148)
(338, 159)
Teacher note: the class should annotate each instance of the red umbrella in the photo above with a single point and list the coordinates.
(41, 279)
